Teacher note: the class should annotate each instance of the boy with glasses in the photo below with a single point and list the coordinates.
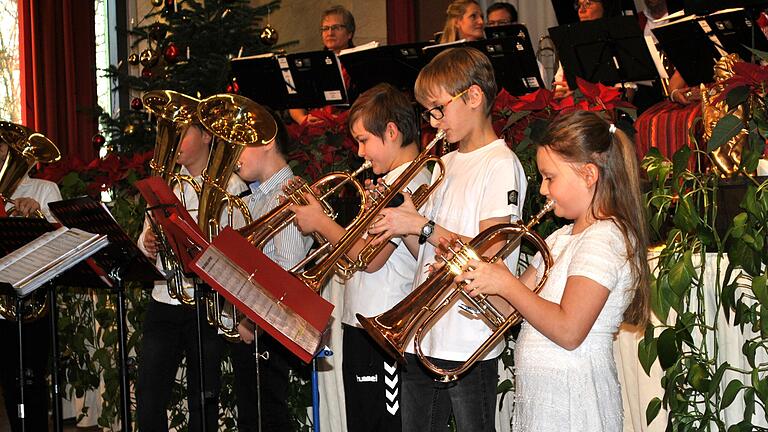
(484, 185)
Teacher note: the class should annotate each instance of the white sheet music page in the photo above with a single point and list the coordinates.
(236, 281)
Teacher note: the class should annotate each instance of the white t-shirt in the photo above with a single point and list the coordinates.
(370, 294)
(235, 187)
(42, 191)
(486, 183)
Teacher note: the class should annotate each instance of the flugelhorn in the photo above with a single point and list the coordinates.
(261, 230)
(175, 113)
(316, 276)
(235, 122)
(418, 311)
(25, 149)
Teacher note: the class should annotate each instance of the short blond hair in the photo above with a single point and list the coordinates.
(455, 70)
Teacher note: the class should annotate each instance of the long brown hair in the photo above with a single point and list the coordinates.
(585, 137)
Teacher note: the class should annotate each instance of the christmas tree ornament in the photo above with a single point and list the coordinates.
(268, 35)
(133, 59)
(157, 31)
(149, 58)
(98, 140)
(129, 129)
(146, 72)
(171, 53)
(136, 103)
(233, 87)
(156, 3)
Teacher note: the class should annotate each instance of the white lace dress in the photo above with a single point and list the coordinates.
(561, 390)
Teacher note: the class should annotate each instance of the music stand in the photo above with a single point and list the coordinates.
(121, 259)
(398, 65)
(513, 59)
(607, 51)
(14, 234)
(302, 80)
(736, 30)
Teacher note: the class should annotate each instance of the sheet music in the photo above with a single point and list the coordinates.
(48, 257)
(236, 281)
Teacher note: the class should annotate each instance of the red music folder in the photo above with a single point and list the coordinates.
(270, 296)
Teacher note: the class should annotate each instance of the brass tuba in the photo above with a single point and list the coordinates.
(175, 113)
(235, 122)
(25, 149)
(418, 311)
(316, 276)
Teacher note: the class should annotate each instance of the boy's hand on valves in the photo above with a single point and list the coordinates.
(308, 216)
(397, 221)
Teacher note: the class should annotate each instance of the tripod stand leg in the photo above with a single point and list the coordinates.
(200, 357)
(125, 408)
(22, 378)
(53, 316)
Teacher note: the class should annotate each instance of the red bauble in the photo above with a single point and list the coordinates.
(171, 53)
(146, 72)
(98, 140)
(233, 87)
(136, 103)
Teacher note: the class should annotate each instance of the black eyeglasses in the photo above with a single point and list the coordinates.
(333, 28)
(586, 4)
(437, 112)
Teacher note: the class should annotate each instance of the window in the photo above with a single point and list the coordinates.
(10, 87)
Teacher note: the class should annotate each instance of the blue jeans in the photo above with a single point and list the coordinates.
(428, 404)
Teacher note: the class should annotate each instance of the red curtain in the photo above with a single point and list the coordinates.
(58, 72)
(401, 22)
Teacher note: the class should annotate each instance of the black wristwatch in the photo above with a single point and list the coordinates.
(426, 231)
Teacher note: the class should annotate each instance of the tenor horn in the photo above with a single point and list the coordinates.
(418, 311)
(235, 122)
(316, 276)
(175, 113)
(25, 149)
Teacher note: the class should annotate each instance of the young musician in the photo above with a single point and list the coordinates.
(383, 123)
(170, 328)
(266, 169)
(31, 195)
(565, 373)
(484, 185)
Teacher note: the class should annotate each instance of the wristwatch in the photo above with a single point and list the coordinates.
(426, 231)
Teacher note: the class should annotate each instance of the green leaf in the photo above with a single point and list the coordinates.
(739, 225)
(680, 159)
(727, 128)
(748, 349)
(698, 377)
(646, 353)
(654, 406)
(685, 217)
(762, 55)
(667, 347)
(680, 278)
(514, 118)
(760, 289)
(737, 96)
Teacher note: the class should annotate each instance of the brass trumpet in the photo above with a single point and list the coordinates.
(417, 312)
(316, 276)
(261, 230)
(25, 149)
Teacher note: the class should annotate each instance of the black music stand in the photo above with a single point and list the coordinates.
(302, 80)
(513, 59)
(398, 65)
(122, 260)
(15, 233)
(607, 51)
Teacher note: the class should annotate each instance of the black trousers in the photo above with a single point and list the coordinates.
(169, 335)
(37, 348)
(274, 379)
(371, 384)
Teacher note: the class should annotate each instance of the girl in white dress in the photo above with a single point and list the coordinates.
(564, 367)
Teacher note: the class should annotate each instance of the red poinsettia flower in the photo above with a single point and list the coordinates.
(601, 97)
(746, 75)
(538, 100)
